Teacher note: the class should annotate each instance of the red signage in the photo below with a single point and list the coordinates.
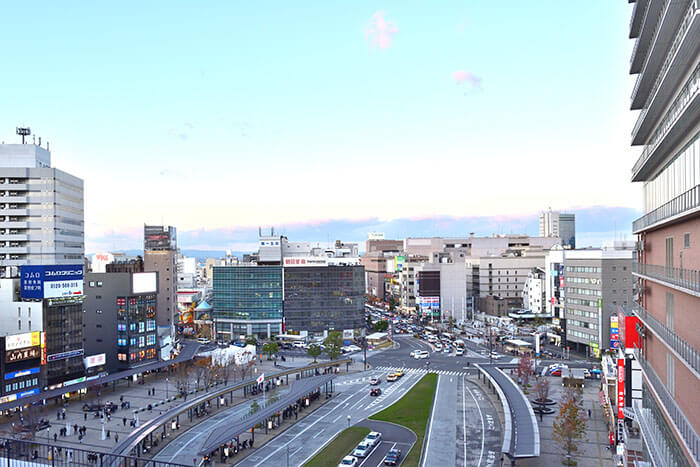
(620, 387)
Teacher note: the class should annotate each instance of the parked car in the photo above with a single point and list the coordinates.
(392, 457)
(362, 449)
(374, 438)
(348, 461)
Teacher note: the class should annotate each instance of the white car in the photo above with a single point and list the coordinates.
(348, 461)
(495, 356)
(438, 346)
(413, 353)
(203, 340)
(373, 438)
(362, 449)
(421, 354)
(459, 352)
(447, 349)
(299, 345)
(354, 348)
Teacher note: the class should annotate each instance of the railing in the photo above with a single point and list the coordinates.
(681, 203)
(657, 26)
(685, 351)
(636, 43)
(684, 278)
(685, 22)
(681, 423)
(688, 92)
(657, 448)
(16, 452)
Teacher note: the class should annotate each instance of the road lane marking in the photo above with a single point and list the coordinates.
(381, 462)
(483, 428)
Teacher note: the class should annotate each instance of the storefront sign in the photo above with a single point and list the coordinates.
(20, 341)
(620, 388)
(95, 360)
(64, 355)
(18, 355)
(61, 280)
(17, 374)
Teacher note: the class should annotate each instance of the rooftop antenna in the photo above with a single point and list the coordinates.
(23, 132)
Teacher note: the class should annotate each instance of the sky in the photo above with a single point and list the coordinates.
(218, 117)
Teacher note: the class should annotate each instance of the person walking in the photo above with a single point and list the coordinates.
(116, 438)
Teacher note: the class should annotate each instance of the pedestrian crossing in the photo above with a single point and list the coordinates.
(422, 371)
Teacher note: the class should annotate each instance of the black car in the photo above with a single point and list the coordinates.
(375, 392)
(392, 457)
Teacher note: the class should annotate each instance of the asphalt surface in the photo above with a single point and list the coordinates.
(393, 437)
(309, 435)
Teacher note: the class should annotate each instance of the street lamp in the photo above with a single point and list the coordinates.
(348, 421)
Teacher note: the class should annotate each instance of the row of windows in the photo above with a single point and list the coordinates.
(589, 269)
(583, 280)
(583, 324)
(578, 291)
(582, 335)
(18, 386)
(581, 313)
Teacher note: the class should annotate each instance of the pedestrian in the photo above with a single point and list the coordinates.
(121, 398)
(116, 438)
(58, 415)
(589, 413)
(124, 421)
(85, 416)
(55, 437)
(108, 434)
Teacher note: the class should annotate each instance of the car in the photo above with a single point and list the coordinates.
(375, 392)
(348, 461)
(354, 348)
(203, 340)
(595, 371)
(299, 345)
(392, 457)
(413, 353)
(495, 356)
(555, 372)
(459, 352)
(421, 354)
(374, 438)
(587, 373)
(391, 378)
(438, 346)
(447, 350)
(398, 373)
(374, 381)
(362, 449)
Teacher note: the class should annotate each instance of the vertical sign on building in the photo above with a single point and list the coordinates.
(620, 388)
(614, 332)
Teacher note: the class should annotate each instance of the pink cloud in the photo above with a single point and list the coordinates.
(379, 31)
(462, 76)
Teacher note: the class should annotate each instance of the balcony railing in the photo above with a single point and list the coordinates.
(683, 278)
(653, 437)
(685, 96)
(636, 43)
(686, 352)
(657, 26)
(680, 204)
(681, 423)
(685, 22)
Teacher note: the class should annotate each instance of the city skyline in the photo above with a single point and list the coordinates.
(184, 131)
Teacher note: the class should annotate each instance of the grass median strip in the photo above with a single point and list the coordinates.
(413, 412)
(341, 446)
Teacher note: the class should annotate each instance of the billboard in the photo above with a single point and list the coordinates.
(60, 280)
(399, 262)
(429, 304)
(620, 388)
(144, 282)
(95, 360)
(20, 341)
(614, 332)
(306, 261)
(20, 373)
(159, 237)
(18, 355)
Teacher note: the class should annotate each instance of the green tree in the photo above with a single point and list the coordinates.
(254, 407)
(570, 424)
(251, 340)
(314, 351)
(392, 303)
(333, 343)
(270, 348)
(381, 326)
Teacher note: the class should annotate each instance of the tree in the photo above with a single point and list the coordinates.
(333, 343)
(542, 389)
(392, 303)
(381, 326)
(314, 351)
(570, 424)
(525, 369)
(182, 375)
(270, 348)
(251, 340)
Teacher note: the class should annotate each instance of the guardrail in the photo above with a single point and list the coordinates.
(678, 205)
(508, 428)
(683, 278)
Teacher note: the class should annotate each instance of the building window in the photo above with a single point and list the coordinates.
(19, 312)
(670, 373)
(686, 240)
(19, 324)
(99, 283)
(29, 324)
(92, 283)
(669, 311)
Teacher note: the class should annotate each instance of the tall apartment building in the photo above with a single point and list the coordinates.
(560, 225)
(42, 258)
(666, 60)
(160, 255)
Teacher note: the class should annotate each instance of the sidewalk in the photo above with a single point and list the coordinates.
(118, 426)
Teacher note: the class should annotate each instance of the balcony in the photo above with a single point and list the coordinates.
(650, 430)
(678, 207)
(641, 45)
(681, 54)
(665, 27)
(680, 348)
(677, 122)
(686, 280)
(638, 12)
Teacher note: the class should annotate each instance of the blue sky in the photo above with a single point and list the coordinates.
(237, 114)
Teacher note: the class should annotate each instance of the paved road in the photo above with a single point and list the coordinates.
(479, 433)
(442, 429)
(393, 437)
(309, 435)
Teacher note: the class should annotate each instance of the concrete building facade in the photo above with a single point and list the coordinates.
(559, 225)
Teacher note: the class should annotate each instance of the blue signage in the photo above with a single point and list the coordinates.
(64, 355)
(31, 392)
(53, 281)
(17, 374)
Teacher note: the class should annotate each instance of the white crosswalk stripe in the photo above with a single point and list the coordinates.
(421, 371)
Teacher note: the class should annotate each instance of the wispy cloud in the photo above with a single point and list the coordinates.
(462, 77)
(379, 31)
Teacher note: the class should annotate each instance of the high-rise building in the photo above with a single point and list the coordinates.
(42, 258)
(559, 225)
(160, 255)
(666, 60)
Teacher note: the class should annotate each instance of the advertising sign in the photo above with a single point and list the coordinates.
(399, 262)
(43, 348)
(61, 280)
(306, 261)
(614, 332)
(17, 374)
(20, 341)
(348, 334)
(144, 282)
(17, 355)
(64, 355)
(620, 388)
(95, 360)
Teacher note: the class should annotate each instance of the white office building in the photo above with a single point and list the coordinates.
(559, 225)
